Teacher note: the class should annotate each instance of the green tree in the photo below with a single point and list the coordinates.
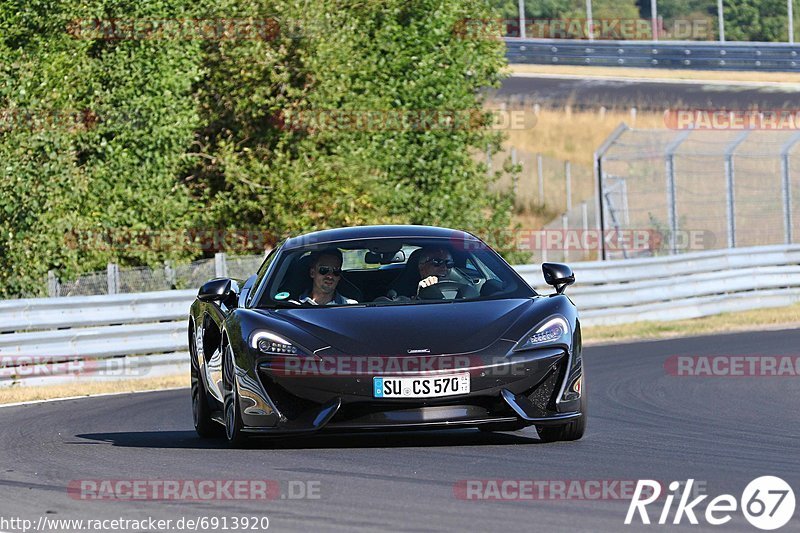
(94, 137)
(258, 165)
(162, 135)
(756, 20)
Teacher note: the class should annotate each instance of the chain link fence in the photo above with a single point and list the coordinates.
(116, 280)
(699, 189)
(544, 183)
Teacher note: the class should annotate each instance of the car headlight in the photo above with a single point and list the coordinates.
(269, 343)
(551, 331)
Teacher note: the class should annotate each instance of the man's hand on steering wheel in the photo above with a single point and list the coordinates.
(427, 282)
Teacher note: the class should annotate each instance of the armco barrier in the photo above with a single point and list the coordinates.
(125, 331)
(661, 54)
(682, 286)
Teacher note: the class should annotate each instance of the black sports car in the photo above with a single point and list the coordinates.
(386, 327)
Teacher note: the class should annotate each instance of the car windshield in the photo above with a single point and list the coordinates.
(392, 271)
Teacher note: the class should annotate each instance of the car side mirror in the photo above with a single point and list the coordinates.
(215, 290)
(558, 275)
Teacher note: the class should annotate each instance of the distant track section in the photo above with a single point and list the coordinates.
(590, 92)
(687, 55)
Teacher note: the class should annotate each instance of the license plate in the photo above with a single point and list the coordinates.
(420, 387)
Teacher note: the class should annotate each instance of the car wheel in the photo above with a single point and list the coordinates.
(201, 413)
(570, 431)
(233, 419)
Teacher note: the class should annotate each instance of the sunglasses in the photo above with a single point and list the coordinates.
(325, 270)
(449, 263)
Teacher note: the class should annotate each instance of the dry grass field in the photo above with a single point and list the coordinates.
(561, 134)
(68, 390)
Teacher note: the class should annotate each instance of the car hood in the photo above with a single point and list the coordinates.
(441, 328)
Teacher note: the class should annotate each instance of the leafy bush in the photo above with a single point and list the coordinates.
(174, 134)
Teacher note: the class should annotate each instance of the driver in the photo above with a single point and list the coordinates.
(325, 272)
(434, 266)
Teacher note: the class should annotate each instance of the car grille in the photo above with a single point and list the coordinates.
(542, 395)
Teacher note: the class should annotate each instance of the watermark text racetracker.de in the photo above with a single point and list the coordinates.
(148, 523)
(551, 489)
(180, 29)
(192, 490)
(731, 366)
(632, 240)
(14, 367)
(245, 241)
(333, 365)
(418, 120)
(613, 28)
(733, 119)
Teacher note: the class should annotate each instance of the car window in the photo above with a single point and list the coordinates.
(375, 272)
(262, 271)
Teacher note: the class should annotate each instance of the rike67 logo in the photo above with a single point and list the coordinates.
(767, 502)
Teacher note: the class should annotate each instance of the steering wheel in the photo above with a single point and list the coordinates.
(434, 292)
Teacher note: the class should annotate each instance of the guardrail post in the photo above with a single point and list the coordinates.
(540, 173)
(169, 275)
(786, 188)
(220, 265)
(112, 273)
(514, 175)
(53, 288)
(568, 180)
(730, 176)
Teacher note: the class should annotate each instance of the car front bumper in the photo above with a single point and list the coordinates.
(521, 389)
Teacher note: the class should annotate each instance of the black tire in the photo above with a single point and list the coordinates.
(233, 419)
(201, 412)
(570, 431)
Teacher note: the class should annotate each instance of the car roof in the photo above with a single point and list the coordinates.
(374, 232)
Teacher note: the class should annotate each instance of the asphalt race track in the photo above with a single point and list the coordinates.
(593, 92)
(721, 431)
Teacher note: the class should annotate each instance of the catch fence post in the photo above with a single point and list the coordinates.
(220, 265)
(786, 188)
(730, 183)
(52, 284)
(672, 213)
(112, 275)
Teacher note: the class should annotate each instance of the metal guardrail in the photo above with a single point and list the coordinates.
(682, 286)
(84, 311)
(54, 371)
(144, 335)
(781, 57)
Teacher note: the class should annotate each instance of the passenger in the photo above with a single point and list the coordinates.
(325, 272)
